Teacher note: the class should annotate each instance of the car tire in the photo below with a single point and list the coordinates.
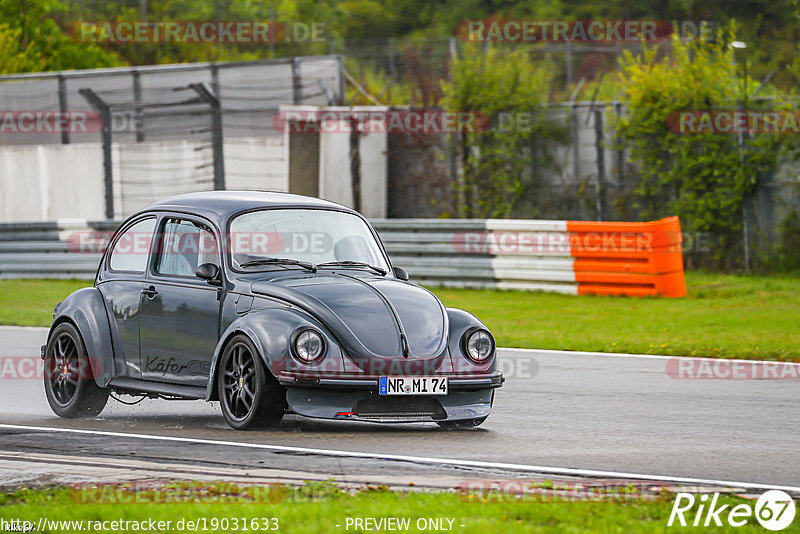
(69, 382)
(249, 395)
(461, 424)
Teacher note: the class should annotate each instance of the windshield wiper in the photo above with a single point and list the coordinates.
(280, 261)
(348, 263)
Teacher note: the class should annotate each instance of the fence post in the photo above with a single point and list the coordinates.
(601, 161)
(576, 151)
(342, 81)
(620, 150)
(355, 163)
(569, 64)
(62, 106)
(138, 115)
(297, 85)
(105, 112)
(216, 132)
(215, 80)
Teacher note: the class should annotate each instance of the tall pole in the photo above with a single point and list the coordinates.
(205, 93)
(271, 31)
(99, 105)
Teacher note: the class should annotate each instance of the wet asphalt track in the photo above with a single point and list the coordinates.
(560, 410)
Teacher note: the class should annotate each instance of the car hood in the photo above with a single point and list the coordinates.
(373, 318)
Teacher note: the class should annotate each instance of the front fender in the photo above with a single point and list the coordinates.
(86, 309)
(460, 322)
(270, 330)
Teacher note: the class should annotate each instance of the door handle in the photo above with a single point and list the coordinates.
(149, 292)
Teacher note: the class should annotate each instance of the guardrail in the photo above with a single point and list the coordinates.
(40, 249)
(575, 257)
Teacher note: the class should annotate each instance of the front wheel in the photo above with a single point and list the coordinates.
(461, 424)
(248, 394)
(68, 378)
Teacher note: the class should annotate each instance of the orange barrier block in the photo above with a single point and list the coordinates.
(624, 258)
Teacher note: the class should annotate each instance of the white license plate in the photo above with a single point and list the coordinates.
(412, 385)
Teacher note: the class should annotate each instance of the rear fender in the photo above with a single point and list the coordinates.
(86, 309)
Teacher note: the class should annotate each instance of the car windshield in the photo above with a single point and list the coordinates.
(302, 237)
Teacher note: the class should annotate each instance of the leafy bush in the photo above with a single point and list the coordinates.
(500, 82)
(378, 85)
(788, 254)
(704, 178)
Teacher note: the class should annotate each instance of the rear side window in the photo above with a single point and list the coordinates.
(132, 247)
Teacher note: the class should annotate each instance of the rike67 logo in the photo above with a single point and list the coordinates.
(774, 510)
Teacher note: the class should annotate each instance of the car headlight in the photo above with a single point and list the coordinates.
(478, 345)
(308, 345)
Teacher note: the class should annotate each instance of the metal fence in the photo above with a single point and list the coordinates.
(162, 136)
(422, 62)
(578, 177)
(250, 94)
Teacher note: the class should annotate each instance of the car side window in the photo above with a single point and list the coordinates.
(132, 247)
(184, 246)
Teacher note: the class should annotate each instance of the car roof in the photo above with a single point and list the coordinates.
(220, 205)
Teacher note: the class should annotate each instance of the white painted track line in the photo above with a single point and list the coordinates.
(415, 459)
(551, 352)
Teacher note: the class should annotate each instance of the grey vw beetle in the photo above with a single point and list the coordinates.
(270, 304)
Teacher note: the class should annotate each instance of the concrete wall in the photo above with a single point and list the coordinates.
(48, 182)
(141, 176)
(43, 183)
(373, 148)
(335, 180)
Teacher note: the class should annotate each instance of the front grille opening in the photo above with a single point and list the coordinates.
(400, 407)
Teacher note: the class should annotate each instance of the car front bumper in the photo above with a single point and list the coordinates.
(469, 397)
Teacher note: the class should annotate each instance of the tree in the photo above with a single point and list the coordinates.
(32, 40)
(505, 85)
(11, 58)
(704, 178)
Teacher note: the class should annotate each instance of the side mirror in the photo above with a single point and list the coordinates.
(401, 273)
(208, 272)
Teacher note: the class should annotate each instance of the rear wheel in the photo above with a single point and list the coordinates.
(461, 424)
(68, 379)
(249, 395)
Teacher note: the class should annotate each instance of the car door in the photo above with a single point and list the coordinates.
(120, 282)
(179, 325)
